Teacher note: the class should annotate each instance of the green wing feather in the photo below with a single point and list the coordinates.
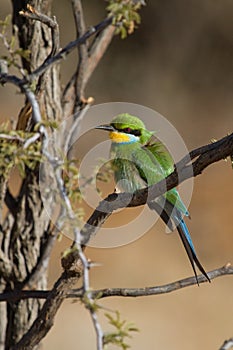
(160, 152)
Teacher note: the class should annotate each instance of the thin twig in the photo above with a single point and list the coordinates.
(4, 64)
(74, 129)
(35, 15)
(32, 13)
(78, 82)
(164, 289)
(98, 330)
(78, 17)
(97, 50)
(122, 292)
(31, 140)
(82, 53)
(12, 137)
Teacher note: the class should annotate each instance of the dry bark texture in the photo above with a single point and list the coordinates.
(25, 230)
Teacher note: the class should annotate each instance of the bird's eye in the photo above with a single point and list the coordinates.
(132, 131)
(127, 130)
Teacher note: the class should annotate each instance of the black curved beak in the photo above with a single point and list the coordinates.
(106, 127)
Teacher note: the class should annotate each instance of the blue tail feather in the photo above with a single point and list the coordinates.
(186, 233)
(171, 215)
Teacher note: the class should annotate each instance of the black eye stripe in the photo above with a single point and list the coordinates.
(136, 132)
(133, 132)
(128, 130)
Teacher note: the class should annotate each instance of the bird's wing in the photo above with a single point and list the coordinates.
(161, 153)
(161, 156)
(149, 168)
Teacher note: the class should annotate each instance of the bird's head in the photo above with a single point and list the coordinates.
(126, 128)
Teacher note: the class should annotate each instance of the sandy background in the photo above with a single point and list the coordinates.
(179, 62)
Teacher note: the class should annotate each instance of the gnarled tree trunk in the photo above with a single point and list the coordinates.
(25, 231)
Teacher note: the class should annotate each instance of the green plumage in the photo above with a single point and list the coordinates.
(148, 160)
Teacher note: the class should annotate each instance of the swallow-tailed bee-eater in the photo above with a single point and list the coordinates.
(140, 160)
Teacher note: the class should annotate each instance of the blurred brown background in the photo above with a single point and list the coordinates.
(180, 63)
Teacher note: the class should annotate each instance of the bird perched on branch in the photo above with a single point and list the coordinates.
(140, 160)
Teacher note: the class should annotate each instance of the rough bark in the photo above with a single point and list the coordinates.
(26, 231)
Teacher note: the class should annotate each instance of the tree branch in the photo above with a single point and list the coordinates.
(121, 292)
(97, 50)
(164, 289)
(82, 52)
(73, 95)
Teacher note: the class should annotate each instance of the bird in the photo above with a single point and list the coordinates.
(139, 160)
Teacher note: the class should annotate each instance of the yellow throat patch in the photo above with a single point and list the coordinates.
(119, 137)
